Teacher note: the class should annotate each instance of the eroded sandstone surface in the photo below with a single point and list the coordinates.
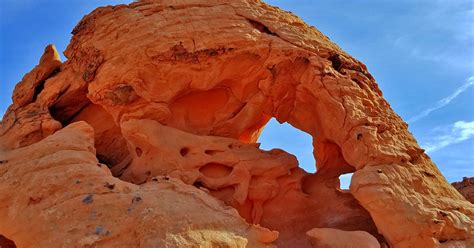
(466, 188)
(146, 137)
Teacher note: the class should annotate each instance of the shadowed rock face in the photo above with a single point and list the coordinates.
(162, 103)
(466, 188)
(6, 243)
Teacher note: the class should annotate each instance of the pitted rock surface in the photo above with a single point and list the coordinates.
(146, 136)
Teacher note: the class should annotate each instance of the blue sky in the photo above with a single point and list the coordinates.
(420, 52)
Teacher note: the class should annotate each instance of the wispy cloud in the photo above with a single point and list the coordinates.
(443, 102)
(448, 42)
(458, 132)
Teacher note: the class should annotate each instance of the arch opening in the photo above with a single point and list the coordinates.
(345, 181)
(290, 139)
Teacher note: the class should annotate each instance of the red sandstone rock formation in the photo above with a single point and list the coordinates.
(328, 238)
(146, 136)
(466, 188)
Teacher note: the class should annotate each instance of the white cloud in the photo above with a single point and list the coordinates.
(460, 131)
(443, 102)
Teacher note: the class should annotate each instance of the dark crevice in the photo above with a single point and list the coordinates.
(358, 83)
(103, 160)
(110, 186)
(238, 110)
(212, 152)
(336, 62)
(54, 113)
(69, 120)
(260, 27)
(138, 151)
(428, 174)
(118, 169)
(40, 86)
(6, 243)
(198, 184)
(38, 89)
(184, 151)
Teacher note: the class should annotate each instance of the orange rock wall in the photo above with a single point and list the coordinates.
(166, 99)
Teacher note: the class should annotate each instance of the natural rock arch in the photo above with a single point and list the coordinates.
(189, 102)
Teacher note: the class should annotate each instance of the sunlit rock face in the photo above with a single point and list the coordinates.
(146, 136)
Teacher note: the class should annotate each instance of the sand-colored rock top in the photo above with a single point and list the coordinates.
(146, 137)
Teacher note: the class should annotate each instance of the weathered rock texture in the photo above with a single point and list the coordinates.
(466, 188)
(330, 238)
(162, 103)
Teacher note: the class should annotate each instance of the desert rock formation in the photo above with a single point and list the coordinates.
(466, 188)
(328, 238)
(146, 136)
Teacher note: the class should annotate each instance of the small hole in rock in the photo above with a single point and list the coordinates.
(136, 199)
(210, 152)
(260, 27)
(198, 184)
(215, 170)
(428, 174)
(34, 200)
(39, 87)
(184, 151)
(138, 151)
(336, 62)
(109, 185)
(345, 181)
(88, 199)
